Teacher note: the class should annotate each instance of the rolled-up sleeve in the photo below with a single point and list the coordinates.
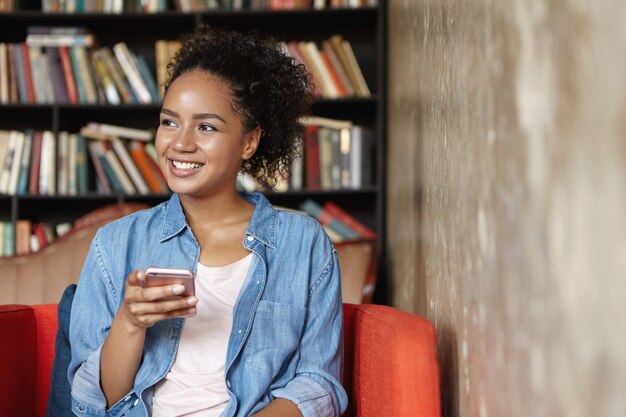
(316, 388)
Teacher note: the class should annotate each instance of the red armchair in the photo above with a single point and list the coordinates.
(390, 361)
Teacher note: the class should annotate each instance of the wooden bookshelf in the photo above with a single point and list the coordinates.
(364, 28)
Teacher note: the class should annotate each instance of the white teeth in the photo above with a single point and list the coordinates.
(186, 165)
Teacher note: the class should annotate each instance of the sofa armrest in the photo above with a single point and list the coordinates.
(26, 351)
(390, 367)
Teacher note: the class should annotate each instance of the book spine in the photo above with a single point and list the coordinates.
(118, 169)
(312, 158)
(350, 221)
(57, 76)
(4, 74)
(101, 176)
(82, 167)
(68, 75)
(35, 163)
(5, 170)
(130, 167)
(22, 185)
(17, 163)
(141, 159)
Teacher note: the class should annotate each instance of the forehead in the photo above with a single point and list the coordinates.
(199, 88)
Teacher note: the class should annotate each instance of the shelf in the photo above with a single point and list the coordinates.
(364, 28)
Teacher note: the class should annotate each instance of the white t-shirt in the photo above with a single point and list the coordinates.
(195, 385)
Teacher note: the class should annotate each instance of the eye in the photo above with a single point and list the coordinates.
(168, 122)
(205, 127)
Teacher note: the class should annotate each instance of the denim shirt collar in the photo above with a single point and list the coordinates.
(261, 227)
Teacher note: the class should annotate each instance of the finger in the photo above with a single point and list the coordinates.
(162, 307)
(162, 291)
(136, 278)
(149, 320)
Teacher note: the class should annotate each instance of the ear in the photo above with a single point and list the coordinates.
(251, 142)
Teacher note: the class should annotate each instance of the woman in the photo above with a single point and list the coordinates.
(263, 334)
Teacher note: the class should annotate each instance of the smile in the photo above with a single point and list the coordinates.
(186, 165)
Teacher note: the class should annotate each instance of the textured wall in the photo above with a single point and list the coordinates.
(507, 199)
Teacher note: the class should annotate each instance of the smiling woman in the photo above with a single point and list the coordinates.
(262, 335)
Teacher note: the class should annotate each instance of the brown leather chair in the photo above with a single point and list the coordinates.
(41, 277)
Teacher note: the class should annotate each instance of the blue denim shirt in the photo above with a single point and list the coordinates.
(287, 334)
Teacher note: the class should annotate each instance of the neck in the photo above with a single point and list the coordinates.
(206, 212)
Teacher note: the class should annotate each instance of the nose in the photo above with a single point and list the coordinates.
(184, 140)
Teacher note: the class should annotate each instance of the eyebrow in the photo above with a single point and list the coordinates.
(197, 116)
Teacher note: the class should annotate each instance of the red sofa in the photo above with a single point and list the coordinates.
(390, 370)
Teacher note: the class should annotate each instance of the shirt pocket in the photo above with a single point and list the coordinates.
(275, 335)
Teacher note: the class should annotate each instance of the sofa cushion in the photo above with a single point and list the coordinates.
(59, 402)
(18, 365)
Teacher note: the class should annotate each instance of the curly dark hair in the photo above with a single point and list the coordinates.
(270, 90)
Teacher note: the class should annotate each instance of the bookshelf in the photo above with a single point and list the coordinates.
(364, 28)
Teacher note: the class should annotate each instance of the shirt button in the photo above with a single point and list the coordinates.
(127, 398)
(228, 383)
(249, 238)
(239, 330)
(136, 402)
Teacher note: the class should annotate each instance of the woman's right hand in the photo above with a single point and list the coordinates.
(143, 306)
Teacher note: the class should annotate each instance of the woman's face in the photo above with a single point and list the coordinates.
(200, 142)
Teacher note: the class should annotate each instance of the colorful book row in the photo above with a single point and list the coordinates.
(334, 155)
(338, 223)
(335, 69)
(154, 6)
(61, 65)
(25, 237)
(42, 163)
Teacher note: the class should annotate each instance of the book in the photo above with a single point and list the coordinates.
(361, 85)
(104, 79)
(5, 170)
(128, 65)
(4, 145)
(316, 211)
(320, 71)
(118, 169)
(28, 74)
(9, 239)
(142, 161)
(22, 237)
(130, 167)
(105, 131)
(22, 185)
(17, 163)
(20, 72)
(55, 36)
(147, 77)
(57, 76)
(102, 181)
(338, 68)
(63, 152)
(350, 221)
(336, 43)
(4, 74)
(68, 75)
(312, 158)
(72, 182)
(361, 157)
(82, 165)
(35, 163)
(116, 73)
(48, 168)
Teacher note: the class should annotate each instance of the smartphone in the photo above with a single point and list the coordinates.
(170, 276)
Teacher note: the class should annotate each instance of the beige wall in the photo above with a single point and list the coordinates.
(507, 199)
